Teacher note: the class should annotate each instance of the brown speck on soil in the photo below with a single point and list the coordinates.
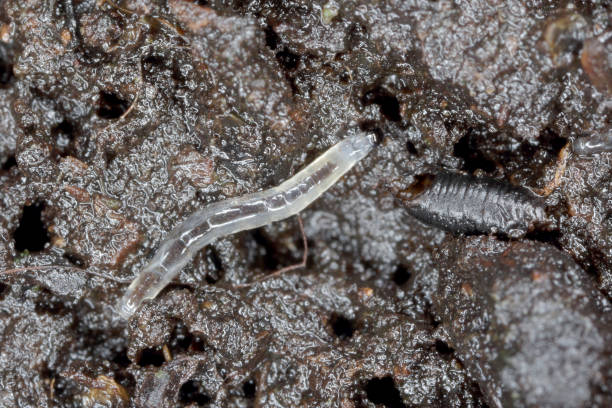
(120, 118)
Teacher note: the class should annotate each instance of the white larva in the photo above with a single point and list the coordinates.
(243, 213)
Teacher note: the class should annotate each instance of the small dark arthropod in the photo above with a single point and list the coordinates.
(470, 205)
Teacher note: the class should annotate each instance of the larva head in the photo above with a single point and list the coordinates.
(359, 145)
(374, 138)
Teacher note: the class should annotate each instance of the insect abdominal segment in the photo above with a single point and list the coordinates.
(464, 204)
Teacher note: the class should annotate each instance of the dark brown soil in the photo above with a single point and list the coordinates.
(119, 119)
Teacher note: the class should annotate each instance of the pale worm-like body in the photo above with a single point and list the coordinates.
(243, 213)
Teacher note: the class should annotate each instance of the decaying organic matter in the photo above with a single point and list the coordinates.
(120, 118)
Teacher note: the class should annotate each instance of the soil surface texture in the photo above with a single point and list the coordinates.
(120, 118)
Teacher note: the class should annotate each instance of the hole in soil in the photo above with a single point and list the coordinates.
(121, 358)
(49, 303)
(151, 357)
(6, 66)
(3, 289)
(249, 388)
(75, 260)
(356, 34)
(548, 237)
(64, 134)
(200, 2)
(288, 60)
(190, 393)
(110, 106)
(109, 156)
(46, 372)
(181, 338)
(383, 391)
(31, 234)
(211, 279)
(477, 393)
(466, 149)
(272, 39)
(124, 378)
(431, 317)
(213, 258)
(443, 348)
(198, 344)
(551, 141)
(411, 148)
(59, 385)
(342, 327)
(389, 105)
(267, 258)
(9, 163)
(558, 143)
(401, 275)
(153, 60)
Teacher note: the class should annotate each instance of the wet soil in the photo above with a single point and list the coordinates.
(119, 119)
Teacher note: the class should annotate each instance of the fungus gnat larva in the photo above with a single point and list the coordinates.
(464, 204)
(243, 213)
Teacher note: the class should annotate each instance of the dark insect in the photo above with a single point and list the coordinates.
(468, 205)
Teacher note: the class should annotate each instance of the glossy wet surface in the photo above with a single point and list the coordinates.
(119, 119)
